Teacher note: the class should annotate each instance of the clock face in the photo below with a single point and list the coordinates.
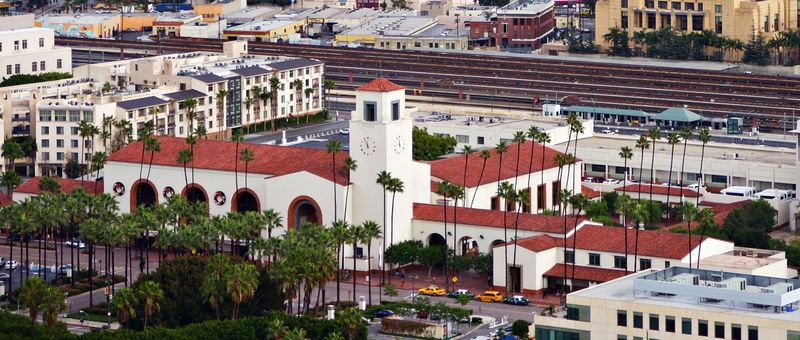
(368, 146)
(399, 145)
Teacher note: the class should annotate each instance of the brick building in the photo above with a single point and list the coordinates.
(522, 25)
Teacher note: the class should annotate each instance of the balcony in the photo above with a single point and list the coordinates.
(21, 131)
(21, 118)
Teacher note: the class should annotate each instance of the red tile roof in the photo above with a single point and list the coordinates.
(380, 85)
(590, 193)
(658, 189)
(5, 200)
(587, 273)
(67, 185)
(493, 218)
(721, 211)
(218, 155)
(538, 243)
(651, 243)
(452, 169)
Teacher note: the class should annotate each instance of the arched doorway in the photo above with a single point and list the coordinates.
(195, 194)
(245, 200)
(468, 246)
(304, 210)
(436, 240)
(496, 243)
(143, 193)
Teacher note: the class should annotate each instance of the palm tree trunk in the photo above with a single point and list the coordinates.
(624, 212)
(391, 231)
(652, 171)
(11, 258)
(383, 267)
(683, 161)
(369, 282)
(355, 245)
(91, 285)
(235, 168)
(335, 203)
(697, 204)
(574, 244)
(636, 227)
(669, 180)
(444, 273)
(544, 205)
(480, 177)
(339, 272)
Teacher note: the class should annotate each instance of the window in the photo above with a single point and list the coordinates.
(667, 264)
(41, 65)
(619, 262)
(676, 5)
(58, 63)
(41, 42)
(59, 156)
(649, 3)
(717, 8)
(46, 156)
(578, 312)
(44, 116)
(74, 116)
(555, 193)
(74, 143)
(638, 321)
(719, 179)
(59, 143)
(697, 22)
(651, 20)
(598, 168)
(540, 201)
(88, 116)
(59, 130)
(622, 318)
(736, 331)
(464, 139)
(719, 330)
(395, 110)
(45, 143)
(689, 6)
(45, 130)
(623, 3)
(669, 324)
(594, 259)
(624, 19)
(495, 203)
(481, 140)
(686, 326)
(752, 332)
(8, 69)
(16, 45)
(683, 23)
(33, 66)
(505, 27)
(662, 4)
(622, 337)
(775, 23)
(569, 256)
(25, 44)
(653, 322)
(702, 327)
(369, 112)
(16, 69)
(792, 335)
(645, 264)
(718, 24)
(699, 6)
(73, 130)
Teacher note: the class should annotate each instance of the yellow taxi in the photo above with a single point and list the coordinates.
(490, 296)
(432, 290)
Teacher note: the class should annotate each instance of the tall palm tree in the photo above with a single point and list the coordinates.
(143, 134)
(532, 134)
(191, 140)
(456, 192)
(524, 199)
(220, 97)
(154, 111)
(264, 97)
(8, 215)
(297, 84)
(623, 205)
(642, 143)
(485, 155)
(626, 154)
(577, 125)
(500, 149)
(153, 146)
(255, 98)
(395, 185)
(689, 213)
(238, 137)
(571, 119)
(246, 156)
(686, 134)
(578, 203)
(328, 85)
(370, 232)
(242, 284)
(355, 236)
(150, 293)
(339, 232)
(519, 139)
(465, 151)
(333, 147)
(639, 212)
(185, 157)
(563, 201)
(444, 188)
(508, 194)
(350, 165)
(248, 103)
(655, 135)
(274, 82)
(384, 179)
(672, 139)
(705, 137)
(543, 138)
(125, 304)
(190, 106)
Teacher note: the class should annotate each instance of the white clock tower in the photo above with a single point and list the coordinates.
(380, 140)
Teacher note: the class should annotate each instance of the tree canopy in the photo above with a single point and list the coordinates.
(427, 147)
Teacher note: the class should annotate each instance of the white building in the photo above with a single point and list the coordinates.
(31, 50)
(676, 303)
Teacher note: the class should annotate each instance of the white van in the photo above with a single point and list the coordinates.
(739, 191)
(773, 194)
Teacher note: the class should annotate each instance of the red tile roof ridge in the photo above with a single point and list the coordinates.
(493, 218)
(67, 185)
(380, 85)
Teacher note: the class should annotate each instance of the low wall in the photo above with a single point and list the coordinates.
(412, 328)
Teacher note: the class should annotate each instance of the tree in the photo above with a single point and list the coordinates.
(390, 290)
(52, 304)
(355, 235)
(403, 253)
(689, 214)
(444, 189)
(748, 225)
(274, 82)
(10, 180)
(351, 319)
(466, 150)
(395, 185)
(220, 97)
(246, 156)
(214, 285)
(125, 303)
(485, 155)
(618, 39)
(185, 157)
(543, 138)
(655, 135)
(242, 284)
(150, 293)
(427, 147)
(672, 139)
(11, 151)
(72, 169)
(238, 137)
(333, 147)
(705, 137)
(431, 256)
(384, 178)
(189, 106)
(370, 231)
(32, 295)
(642, 143)
(685, 134)
(339, 231)
(350, 165)
(328, 85)
(756, 51)
(520, 328)
(578, 202)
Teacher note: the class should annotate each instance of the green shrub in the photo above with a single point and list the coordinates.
(14, 326)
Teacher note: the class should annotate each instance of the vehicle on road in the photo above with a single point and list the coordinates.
(62, 270)
(608, 132)
(75, 243)
(490, 296)
(11, 265)
(382, 313)
(345, 131)
(588, 180)
(612, 181)
(130, 30)
(506, 330)
(433, 291)
(518, 300)
(5, 276)
(460, 292)
(694, 186)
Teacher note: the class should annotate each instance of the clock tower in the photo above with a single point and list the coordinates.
(380, 140)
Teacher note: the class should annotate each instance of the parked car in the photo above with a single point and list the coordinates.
(5, 277)
(607, 132)
(62, 270)
(75, 243)
(11, 265)
(432, 290)
(518, 300)
(459, 292)
(490, 296)
(345, 131)
(588, 179)
(382, 313)
(612, 181)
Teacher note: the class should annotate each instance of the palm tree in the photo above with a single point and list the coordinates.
(150, 293)
(500, 149)
(639, 212)
(339, 232)
(672, 139)
(264, 97)
(485, 155)
(444, 188)
(220, 96)
(655, 135)
(384, 177)
(12, 151)
(508, 193)
(333, 147)
(465, 151)
(153, 146)
(8, 215)
(242, 284)
(191, 140)
(689, 213)
(532, 134)
(255, 100)
(274, 82)
(238, 137)
(643, 144)
(297, 84)
(125, 303)
(10, 180)
(626, 154)
(578, 127)
(248, 103)
(155, 111)
(144, 135)
(185, 157)
(246, 156)
(685, 134)
(578, 202)
(564, 196)
(543, 138)
(308, 92)
(355, 235)
(328, 85)
(705, 137)
(395, 185)
(370, 231)
(571, 119)
(52, 304)
(32, 295)
(214, 284)
(524, 199)
(456, 192)
(350, 165)
(190, 105)
(519, 139)
(623, 204)
(351, 318)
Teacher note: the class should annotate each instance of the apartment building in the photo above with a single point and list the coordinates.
(522, 25)
(26, 49)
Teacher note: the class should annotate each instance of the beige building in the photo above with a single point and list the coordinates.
(676, 303)
(732, 19)
(435, 8)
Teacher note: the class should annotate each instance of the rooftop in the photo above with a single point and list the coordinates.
(488, 122)
(250, 13)
(490, 218)
(525, 7)
(657, 189)
(392, 26)
(380, 85)
(139, 103)
(67, 186)
(261, 26)
(357, 14)
(587, 273)
(84, 19)
(678, 114)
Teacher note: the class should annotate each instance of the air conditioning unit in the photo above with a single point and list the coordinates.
(734, 283)
(686, 279)
(778, 288)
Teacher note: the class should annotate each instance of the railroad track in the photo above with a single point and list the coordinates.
(519, 80)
